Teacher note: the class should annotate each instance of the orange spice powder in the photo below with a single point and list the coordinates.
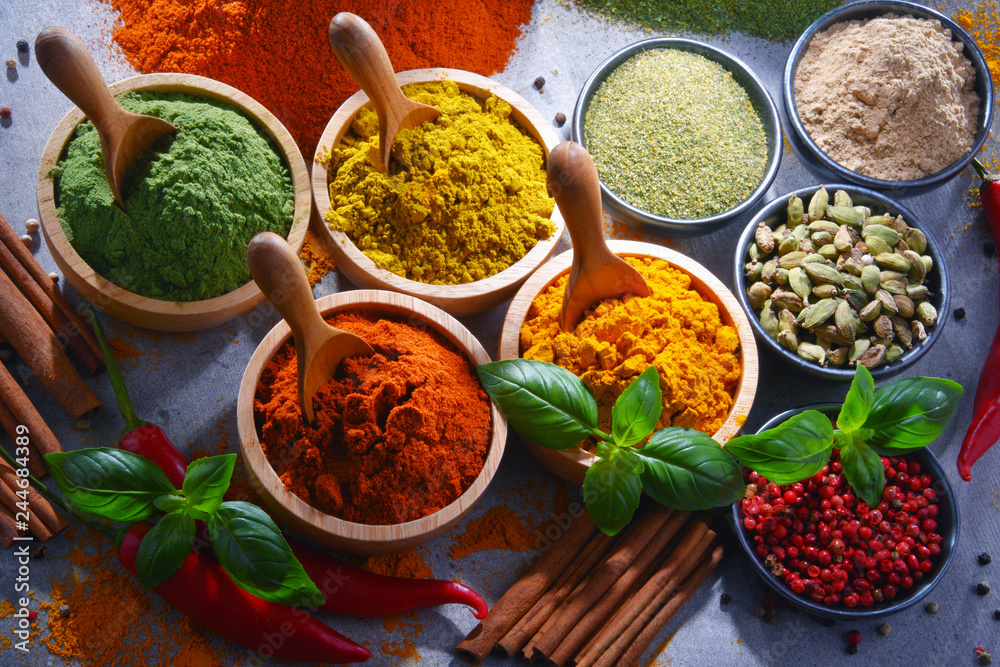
(317, 259)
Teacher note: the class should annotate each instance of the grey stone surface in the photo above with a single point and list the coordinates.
(188, 383)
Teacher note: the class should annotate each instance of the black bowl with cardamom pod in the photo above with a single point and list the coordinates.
(948, 527)
(823, 166)
(813, 299)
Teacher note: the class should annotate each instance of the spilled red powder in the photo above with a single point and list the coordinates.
(398, 435)
(409, 563)
(498, 528)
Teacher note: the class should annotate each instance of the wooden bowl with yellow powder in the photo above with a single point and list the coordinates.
(324, 528)
(144, 311)
(692, 328)
(481, 290)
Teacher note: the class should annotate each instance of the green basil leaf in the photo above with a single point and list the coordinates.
(637, 410)
(687, 470)
(546, 404)
(857, 403)
(910, 413)
(863, 469)
(611, 493)
(257, 558)
(170, 503)
(796, 449)
(206, 481)
(164, 548)
(109, 483)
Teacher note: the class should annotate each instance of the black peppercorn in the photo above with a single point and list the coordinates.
(539, 82)
(725, 599)
(983, 588)
(990, 249)
(560, 119)
(996, 614)
(984, 558)
(22, 46)
(959, 313)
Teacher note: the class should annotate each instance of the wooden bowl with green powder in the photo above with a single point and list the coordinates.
(175, 259)
(691, 328)
(463, 216)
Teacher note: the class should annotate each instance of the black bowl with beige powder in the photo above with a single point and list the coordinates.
(678, 174)
(904, 133)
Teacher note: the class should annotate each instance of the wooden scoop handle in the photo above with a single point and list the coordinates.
(279, 274)
(362, 54)
(67, 63)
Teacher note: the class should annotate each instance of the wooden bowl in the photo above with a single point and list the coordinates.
(572, 464)
(141, 310)
(467, 298)
(324, 528)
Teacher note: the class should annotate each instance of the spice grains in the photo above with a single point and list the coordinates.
(892, 98)
(672, 133)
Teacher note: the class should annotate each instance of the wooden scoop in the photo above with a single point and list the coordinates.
(319, 347)
(597, 273)
(362, 54)
(124, 135)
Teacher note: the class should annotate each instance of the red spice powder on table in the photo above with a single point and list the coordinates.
(398, 436)
(277, 51)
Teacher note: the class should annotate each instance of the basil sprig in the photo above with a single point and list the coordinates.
(686, 469)
(120, 486)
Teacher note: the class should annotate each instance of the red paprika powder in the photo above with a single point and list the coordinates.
(398, 436)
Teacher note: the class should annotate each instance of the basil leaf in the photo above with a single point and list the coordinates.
(546, 404)
(170, 503)
(206, 481)
(910, 413)
(863, 469)
(857, 403)
(164, 548)
(796, 449)
(637, 410)
(257, 558)
(611, 492)
(687, 470)
(109, 483)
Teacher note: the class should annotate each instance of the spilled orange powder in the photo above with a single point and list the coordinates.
(409, 563)
(317, 259)
(982, 21)
(498, 528)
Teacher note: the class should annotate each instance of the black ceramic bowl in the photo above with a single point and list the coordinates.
(762, 102)
(774, 214)
(947, 527)
(824, 167)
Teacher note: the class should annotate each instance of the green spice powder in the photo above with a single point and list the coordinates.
(672, 133)
(193, 201)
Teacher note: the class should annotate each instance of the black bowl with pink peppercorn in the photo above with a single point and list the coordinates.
(803, 566)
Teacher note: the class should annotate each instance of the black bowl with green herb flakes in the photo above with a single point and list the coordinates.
(785, 298)
(685, 137)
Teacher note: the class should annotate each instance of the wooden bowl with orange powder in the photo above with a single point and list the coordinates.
(572, 464)
(459, 299)
(379, 419)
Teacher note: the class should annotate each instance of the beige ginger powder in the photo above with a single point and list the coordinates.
(891, 98)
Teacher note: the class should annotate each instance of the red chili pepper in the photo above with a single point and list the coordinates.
(346, 589)
(984, 431)
(202, 590)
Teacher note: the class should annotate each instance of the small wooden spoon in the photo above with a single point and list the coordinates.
(124, 135)
(597, 273)
(362, 54)
(319, 347)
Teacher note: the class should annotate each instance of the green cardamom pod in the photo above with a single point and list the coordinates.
(786, 321)
(854, 266)
(821, 239)
(828, 335)
(800, 232)
(871, 311)
(916, 271)
(926, 313)
(791, 260)
(857, 298)
(873, 356)
(837, 356)
(876, 246)
(887, 234)
(919, 333)
(843, 240)
(788, 340)
(812, 352)
(818, 313)
(844, 215)
(917, 292)
(798, 280)
(841, 198)
(829, 252)
(917, 241)
(807, 246)
(823, 226)
(893, 262)
(767, 271)
(781, 276)
(883, 327)
(788, 300)
(879, 220)
(787, 244)
(843, 319)
(768, 320)
(904, 305)
(852, 281)
(758, 293)
(895, 287)
(817, 204)
(795, 212)
(870, 278)
(894, 352)
(888, 303)
(864, 212)
(858, 347)
(764, 238)
(825, 291)
(904, 334)
(823, 273)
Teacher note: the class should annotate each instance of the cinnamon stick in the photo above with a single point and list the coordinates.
(663, 616)
(35, 343)
(587, 614)
(36, 464)
(64, 330)
(615, 636)
(533, 620)
(520, 597)
(24, 412)
(8, 528)
(24, 257)
(42, 518)
(10, 500)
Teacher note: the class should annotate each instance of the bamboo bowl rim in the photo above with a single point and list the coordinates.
(459, 299)
(323, 527)
(136, 308)
(574, 461)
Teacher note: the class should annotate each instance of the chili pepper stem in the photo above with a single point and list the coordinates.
(981, 170)
(132, 420)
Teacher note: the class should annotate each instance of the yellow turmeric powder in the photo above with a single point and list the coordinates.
(464, 196)
(674, 329)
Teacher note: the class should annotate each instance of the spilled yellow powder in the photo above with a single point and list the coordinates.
(982, 21)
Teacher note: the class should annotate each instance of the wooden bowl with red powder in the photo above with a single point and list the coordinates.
(572, 464)
(459, 299)
(399, 457)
